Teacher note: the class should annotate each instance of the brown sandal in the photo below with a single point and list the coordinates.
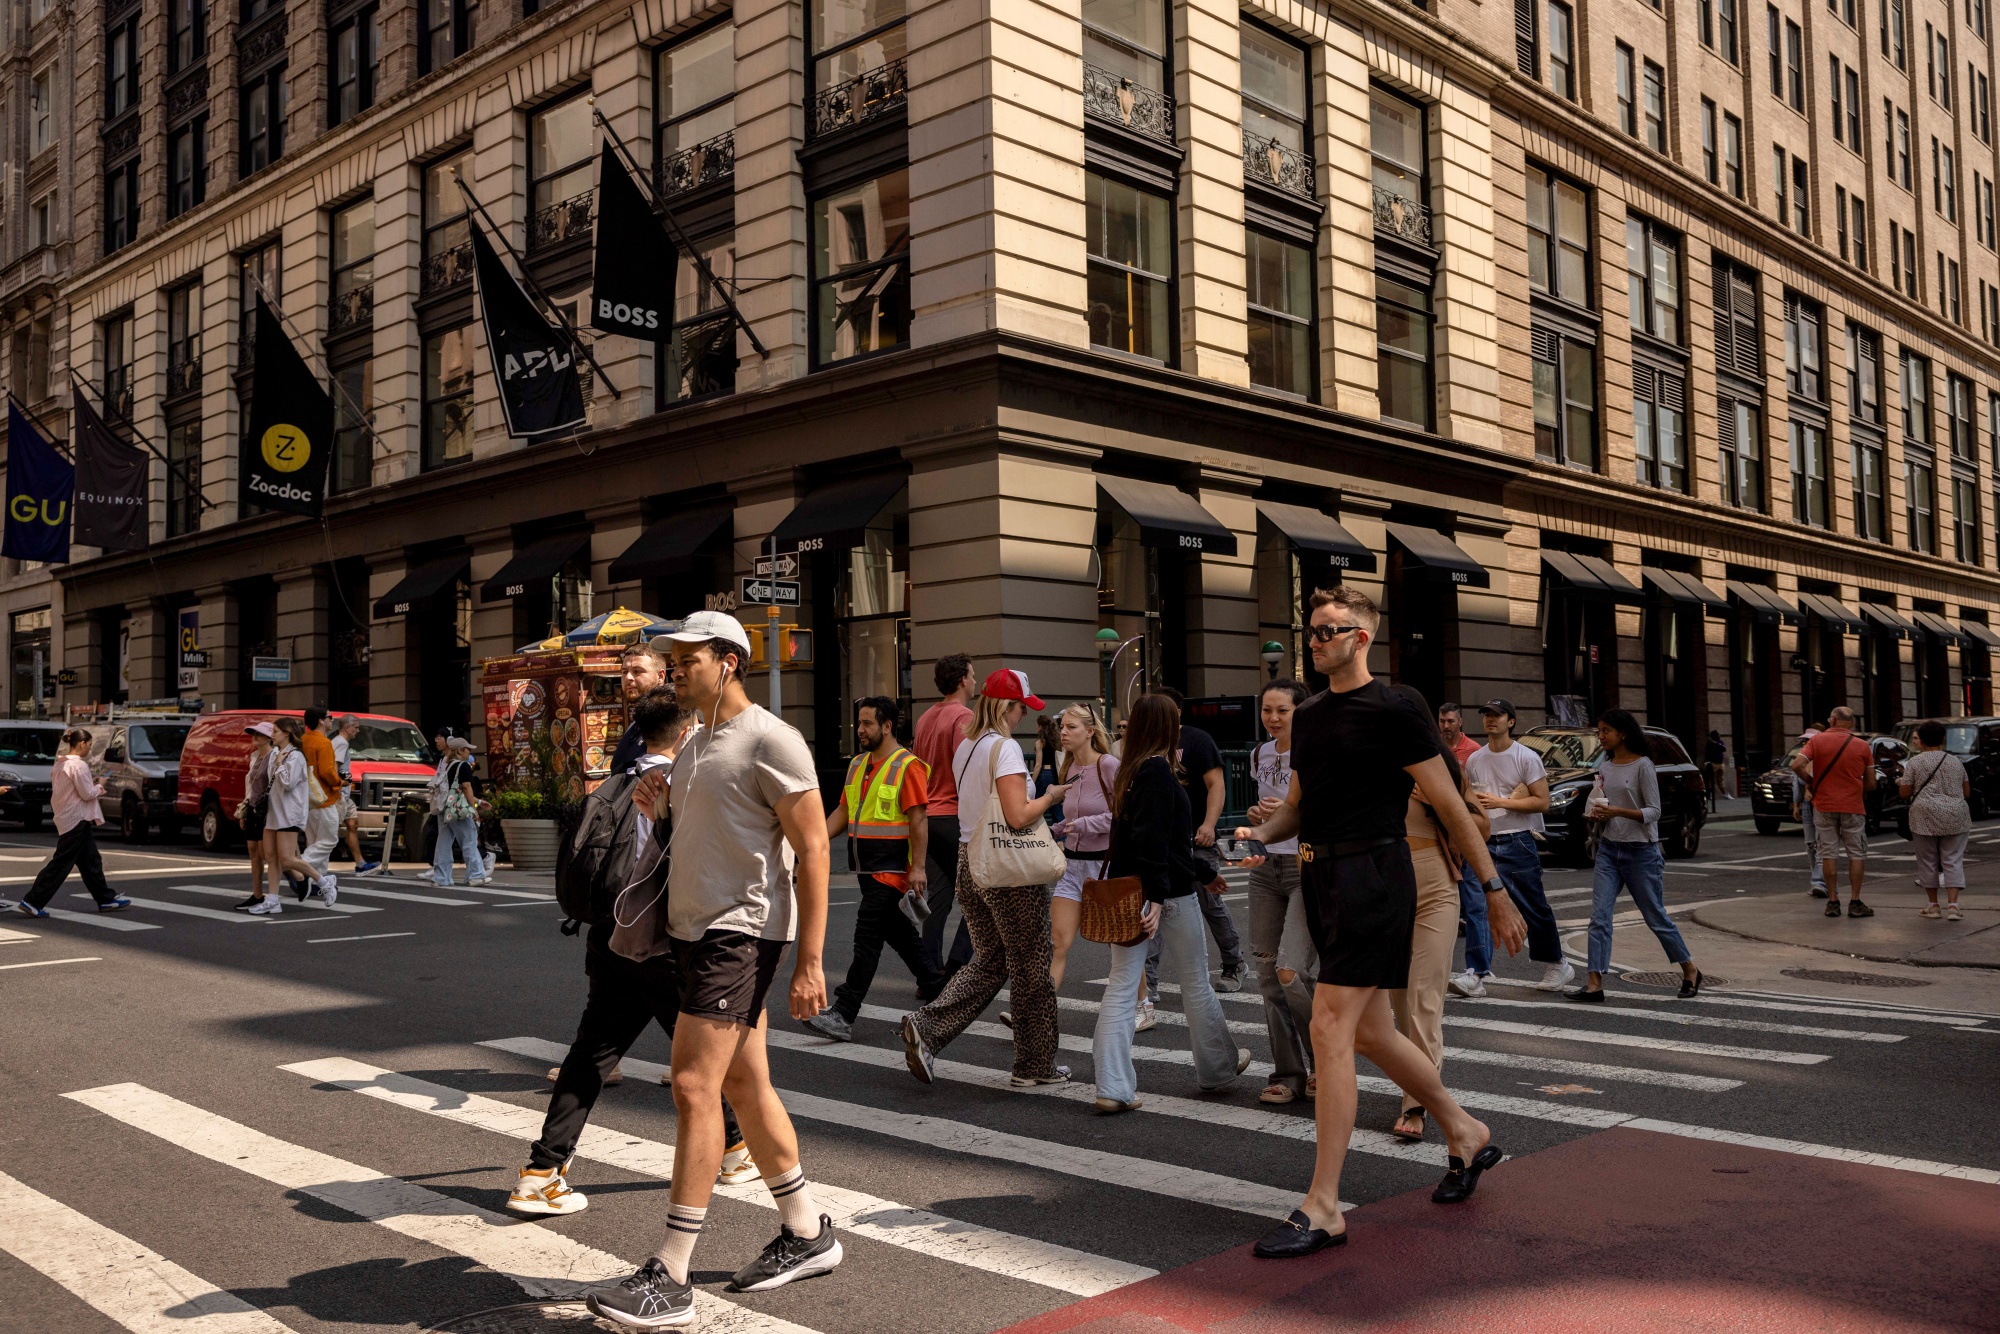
(1402, 1134)
(1278, 1093)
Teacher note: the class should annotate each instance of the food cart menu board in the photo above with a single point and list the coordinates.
(573, 696)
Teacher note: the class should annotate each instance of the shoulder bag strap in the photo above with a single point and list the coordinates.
(1812, 784)
(1935, 768)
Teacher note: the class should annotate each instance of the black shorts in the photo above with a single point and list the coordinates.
(1362, 912)
(726, 975)
(284, 829)
(253, 825)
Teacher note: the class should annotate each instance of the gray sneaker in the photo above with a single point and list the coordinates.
(1230, 979)
(830, 1022)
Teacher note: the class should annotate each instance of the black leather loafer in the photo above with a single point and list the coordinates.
(1463, 1178)
(1294, 1237)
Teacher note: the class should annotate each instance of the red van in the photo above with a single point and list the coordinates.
(388, 760)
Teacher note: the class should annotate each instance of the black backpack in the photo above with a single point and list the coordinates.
(595, 859)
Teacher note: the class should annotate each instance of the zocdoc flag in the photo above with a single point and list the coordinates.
(39, 483)
(290, 436)
(632, 283)
(535, 364)
(110, 485)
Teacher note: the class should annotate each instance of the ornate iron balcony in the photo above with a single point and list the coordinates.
(566, 221)
(448, 268)
(1273, 163)
(352, 310)
(707, 162)
(1117, 99)
(860, 100)
(183, 376)
(1400, 215)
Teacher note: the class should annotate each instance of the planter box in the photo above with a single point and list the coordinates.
(531, 844)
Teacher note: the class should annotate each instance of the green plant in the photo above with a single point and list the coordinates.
(516, 803)
(538, 788)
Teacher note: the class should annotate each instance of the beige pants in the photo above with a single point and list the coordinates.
(1419, 1008)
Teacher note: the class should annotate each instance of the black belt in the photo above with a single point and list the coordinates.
(1079, 855)
(1345, 847)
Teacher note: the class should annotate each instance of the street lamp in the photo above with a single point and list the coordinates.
(1273, 654)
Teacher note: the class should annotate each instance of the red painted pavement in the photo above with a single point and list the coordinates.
(1620, 1231)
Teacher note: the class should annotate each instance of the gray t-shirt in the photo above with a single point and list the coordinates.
(1634, 785)
(732, 869)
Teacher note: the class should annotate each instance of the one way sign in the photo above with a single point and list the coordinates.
(782, 566)
(768, 592)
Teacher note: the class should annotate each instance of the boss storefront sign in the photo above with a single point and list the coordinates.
(632, 278)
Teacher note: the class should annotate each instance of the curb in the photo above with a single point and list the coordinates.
(1697, 918)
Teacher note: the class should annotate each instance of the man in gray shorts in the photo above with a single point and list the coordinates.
(1839, 769)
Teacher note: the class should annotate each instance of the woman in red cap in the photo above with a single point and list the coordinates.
(1009, 924)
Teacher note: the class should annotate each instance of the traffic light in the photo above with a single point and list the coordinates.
(795, 646)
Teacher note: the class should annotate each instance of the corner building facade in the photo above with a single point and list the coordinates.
(1588, 345)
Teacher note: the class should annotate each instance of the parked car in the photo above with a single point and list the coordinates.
(1976, 742)
(136, 759)
(1771, 791)
(28, 749)
(1571, 756)
(388, 760)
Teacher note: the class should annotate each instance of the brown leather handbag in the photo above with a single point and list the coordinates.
(1112, 908)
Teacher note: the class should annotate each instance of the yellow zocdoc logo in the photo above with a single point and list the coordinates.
(286, 448)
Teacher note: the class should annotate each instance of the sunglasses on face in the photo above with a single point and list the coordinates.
(1326, 634)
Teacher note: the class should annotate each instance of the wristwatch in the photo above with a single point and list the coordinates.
(1496, 886)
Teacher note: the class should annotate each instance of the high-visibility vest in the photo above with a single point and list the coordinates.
(878, 829)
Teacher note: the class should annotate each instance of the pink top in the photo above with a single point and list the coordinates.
(1086, 822)
(74, 794)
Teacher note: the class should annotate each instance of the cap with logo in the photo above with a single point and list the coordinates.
(701, 626)
(1010, 684)
(1498, 706)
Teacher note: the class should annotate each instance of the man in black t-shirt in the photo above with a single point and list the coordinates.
(1203, 777)
(1357, 752)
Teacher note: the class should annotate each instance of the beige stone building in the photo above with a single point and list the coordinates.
(1631, 354)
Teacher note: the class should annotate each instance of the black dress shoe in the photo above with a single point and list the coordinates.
(1588, 995)
(1294, 1237)
(1691, 986)
(1463, 1179)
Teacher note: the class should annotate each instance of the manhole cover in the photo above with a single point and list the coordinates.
(526, 1318)
(1672, 979)
(1852, 979)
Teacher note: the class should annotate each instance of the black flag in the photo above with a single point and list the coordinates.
(534, 363)
(632, 281)
(110, 486)
(290, 434)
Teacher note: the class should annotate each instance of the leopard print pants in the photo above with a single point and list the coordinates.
(1010, 947)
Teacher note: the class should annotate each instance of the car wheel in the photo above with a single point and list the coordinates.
(214, 829)
(1903, 827)
(1768, 824)
(1980, 810)
(131, 821)
(1687, 841)
(1873, 824)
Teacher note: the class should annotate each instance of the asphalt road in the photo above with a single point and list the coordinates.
(317, 1117)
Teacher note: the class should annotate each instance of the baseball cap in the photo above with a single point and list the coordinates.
(264, 730)
(1010, 684)
(1498, 706)
(700, 626)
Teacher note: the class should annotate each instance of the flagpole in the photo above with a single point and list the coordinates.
(192, 479)
(575, 339)
(674, 225)
(41, 426)
(360, 414)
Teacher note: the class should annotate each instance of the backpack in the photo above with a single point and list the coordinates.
(437, 790)
(595, 860)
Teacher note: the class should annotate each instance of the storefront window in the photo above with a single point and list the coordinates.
(30, 642)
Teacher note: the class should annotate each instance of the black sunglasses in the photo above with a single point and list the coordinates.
(1326, 634)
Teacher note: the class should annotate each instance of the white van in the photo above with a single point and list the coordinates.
(28, 750)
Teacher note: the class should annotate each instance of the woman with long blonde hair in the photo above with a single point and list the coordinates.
(1090, 770)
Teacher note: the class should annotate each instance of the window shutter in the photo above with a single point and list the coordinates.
(1725, 424)
(1524, 37)
(1725, 323)
(1542, 345)
(1673, 392)
(1749, 352)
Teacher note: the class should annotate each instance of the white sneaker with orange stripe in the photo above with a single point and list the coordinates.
(545, 1191)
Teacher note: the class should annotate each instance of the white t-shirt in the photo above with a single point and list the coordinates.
(340, 750)
(1272, 768)
(1497, 774)
(972, 767)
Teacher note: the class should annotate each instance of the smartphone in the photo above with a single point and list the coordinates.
(1243, 848)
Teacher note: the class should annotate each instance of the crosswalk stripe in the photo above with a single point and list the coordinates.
(1142, 1174)
(217, 892)
(190, 910)
(127, 1282)
(919, 1230)
(352, 891)
(1894, 1161)
(1831, 1007)
(1454, 1019)
(49, 963)
(542, 1262)
(109, 921)
(9, 936)
(980, 1028)
(1693, 1020)
(497, 893)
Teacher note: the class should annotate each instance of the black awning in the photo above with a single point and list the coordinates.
(1939, 626)
(1168, 517)
(1765, 605)
(533, 563)
(1833, 611)
(419, 584)
(1592, 576)
(1316, 533)
(1888, 618)
(1684, 589)
(1979, 632)
(834, 517)
(1438, 556)
(668, 546)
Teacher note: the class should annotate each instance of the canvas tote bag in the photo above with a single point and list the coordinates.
(999, 857)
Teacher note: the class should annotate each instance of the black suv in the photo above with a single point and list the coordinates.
(1976, 742)
(1571, 755)
(1771, 791)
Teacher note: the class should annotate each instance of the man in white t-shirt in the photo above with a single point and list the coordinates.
(1511, 785)
(345, 731)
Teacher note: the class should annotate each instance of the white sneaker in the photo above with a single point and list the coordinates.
(1466, 984)
(329, 889)
(1147, 1018)
(1556, 976)
(480, 880)
(737, 1166)
(545, 1192)
(268, 906)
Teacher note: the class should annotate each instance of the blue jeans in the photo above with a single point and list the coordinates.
(1812, 843)
(1640, 868)
(1184, 959)
(1472, 913)
(1518, 860)
(466, 834)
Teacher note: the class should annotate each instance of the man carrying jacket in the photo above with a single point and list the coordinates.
(323, 814)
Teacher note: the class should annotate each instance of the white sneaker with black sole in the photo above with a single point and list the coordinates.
(1467, 984)
(1556, 976)
(789, 1258)
(648, 1299)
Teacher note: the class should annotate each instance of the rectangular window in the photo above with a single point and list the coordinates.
(1944, 72)
(356, 43)
(1916, 398)
(254, 267)
(1740, 434)
(1398, 149)
(1840, 217)
(1937, 179)
(1864, 374)
(1920, 494)
(1704, 13)
(1775, 32)
(1965, 519)
(353, 231)
(1655, 107)
(119, 354)
(1795, 65)
(1279, 289)
(447, 29)
(1801, 197)
(1732, 153)
(121, 205)
(447, 234)
(1930, 60)
(702, 356)
(1910, 264)
(1854, 111)
(1860, 234)
(853, 38)
(1959, 415)
(1805, 360)
(1565, 377)
(121, 67)
(1653, 278)
(1725, 29)
(41, 227)
(1403, 349)
(697, 97)
(1558, 237)
(1809, 473)
(41, 111)
(1955, 290)
(1871, 499)
(1562, 69)
(1738, 345)
(1839, 121)
(1526, 57)
(187, 166)
(262, 106)
(1628, 106)
(861, 268)
(1902, 159)
(183, 476)
(1950, 175)
(352, 464)
(184, 340)
(447, 431)
(187, 33)
(1659, 426)
(562, 156)
(1711, 163)
(1897, 35)
(1781, 181)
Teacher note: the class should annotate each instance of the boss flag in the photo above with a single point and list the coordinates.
(39, 483)
(290, 436)
(110, 485)
(632, 282)
(534, 363)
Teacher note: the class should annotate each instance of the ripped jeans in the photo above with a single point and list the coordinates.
(1281, 949)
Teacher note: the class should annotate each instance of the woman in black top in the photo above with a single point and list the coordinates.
(1152, 838)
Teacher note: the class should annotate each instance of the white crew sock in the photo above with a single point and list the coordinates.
(796, 1209)
(683, 1230)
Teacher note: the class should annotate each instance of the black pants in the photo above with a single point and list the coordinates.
(76, 850)
(881, 922)
(624, 998)
(941, 861)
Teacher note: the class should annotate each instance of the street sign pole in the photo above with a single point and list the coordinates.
(771, 642)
